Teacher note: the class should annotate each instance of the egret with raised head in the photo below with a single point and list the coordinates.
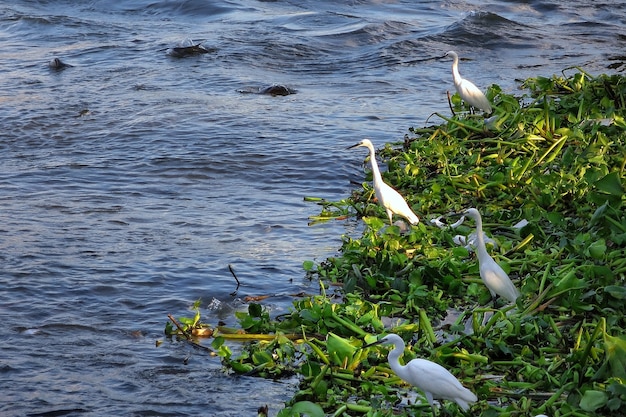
(433, 379)
(466, 89)
(389, 198)
(492, 274)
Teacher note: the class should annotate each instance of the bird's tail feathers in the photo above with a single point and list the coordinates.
(465, 399)
(413, 219)
(463, 404)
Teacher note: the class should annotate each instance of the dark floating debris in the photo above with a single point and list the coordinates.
(58, 65)
(188, 48)
(619, 64)
(272, 90)
(277, 90)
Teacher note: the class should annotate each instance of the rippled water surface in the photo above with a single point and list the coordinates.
(131, 180)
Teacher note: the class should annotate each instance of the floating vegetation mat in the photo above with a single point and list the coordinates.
(547, 171)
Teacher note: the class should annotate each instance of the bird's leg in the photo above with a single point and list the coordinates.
(429, 398)
(493, 299)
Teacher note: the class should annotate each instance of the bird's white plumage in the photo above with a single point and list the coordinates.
(433, 379)
(492, 274)
(466, 89)
(389, 198)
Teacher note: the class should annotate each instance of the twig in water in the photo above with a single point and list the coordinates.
(230, 268)
(189, 340)
(179, 327)
(450, 104)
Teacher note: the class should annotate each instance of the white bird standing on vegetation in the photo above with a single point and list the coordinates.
(492, 274)
(430, 377)
(466, 89)
(389, 198)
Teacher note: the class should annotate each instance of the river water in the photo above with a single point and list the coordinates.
(131, 180)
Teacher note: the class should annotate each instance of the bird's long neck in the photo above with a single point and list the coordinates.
(456, 75)
(374, 164)
(393, 358)
(482, 248)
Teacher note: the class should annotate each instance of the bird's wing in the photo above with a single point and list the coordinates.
(389, 196)
(434, 378)
(497, 280)
(393, 200)
(472, 94)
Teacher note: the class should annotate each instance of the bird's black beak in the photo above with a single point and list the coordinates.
(353, 146)
(459, 222)
(378, 342)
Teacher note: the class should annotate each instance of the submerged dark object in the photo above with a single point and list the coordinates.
(188, 48)
(272, 90)
(57, 64)
(277, 90)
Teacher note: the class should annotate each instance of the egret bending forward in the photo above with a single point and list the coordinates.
(466, 89)
(491, 273)
(430, 377)
(389, 198)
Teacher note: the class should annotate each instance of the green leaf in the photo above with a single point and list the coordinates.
(555, 217)
(339, 349)
(186, 320)
(616, 291)
(307, 408)
(222, 349)
(592, 400)
(308, 265)
(460, 252)
(255, 310)
(218, 342)
(241, 368)
(309, 315)
(599, 213)
(611, 184)
(375, 223)
(596, 249)
(616, 354)
(262, 358)
(569, 282)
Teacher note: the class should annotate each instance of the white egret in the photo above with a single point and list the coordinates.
(492, 274)
(466, 89)
(389, 198)
(433, 379)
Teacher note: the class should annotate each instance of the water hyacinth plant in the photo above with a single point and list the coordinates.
(547, 172)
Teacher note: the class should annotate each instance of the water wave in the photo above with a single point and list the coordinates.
(131, 180)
